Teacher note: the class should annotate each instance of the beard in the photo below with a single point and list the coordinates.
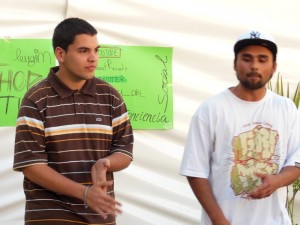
(250, 84)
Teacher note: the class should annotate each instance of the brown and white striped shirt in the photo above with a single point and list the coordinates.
(68, 130)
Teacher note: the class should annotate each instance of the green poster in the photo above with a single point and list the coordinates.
(23, 62)
(143, 76)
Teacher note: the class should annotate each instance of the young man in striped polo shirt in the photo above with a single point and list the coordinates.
(72, 133)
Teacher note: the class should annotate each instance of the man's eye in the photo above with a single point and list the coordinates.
(246, 59)
(263, 60)
(83, 50)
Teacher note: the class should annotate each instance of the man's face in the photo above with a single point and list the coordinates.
(254, 66)
(80, 60)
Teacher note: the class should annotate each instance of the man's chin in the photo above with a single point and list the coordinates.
(253, 86)
(88, 76)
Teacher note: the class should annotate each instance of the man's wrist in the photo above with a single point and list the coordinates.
(86, 190)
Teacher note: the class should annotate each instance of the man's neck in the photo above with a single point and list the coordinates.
(72, 84)
(251, 95)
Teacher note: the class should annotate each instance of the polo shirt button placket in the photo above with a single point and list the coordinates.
(79, 108)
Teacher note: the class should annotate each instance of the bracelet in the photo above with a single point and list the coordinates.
(85, 196)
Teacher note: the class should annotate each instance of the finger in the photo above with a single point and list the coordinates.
(99, 170)
(111, 203)
(260, 175)
(100, 174)
(108, 183)
(102, 214)
(260, 192)
(105, 215)
(104, 184)
(109, 208)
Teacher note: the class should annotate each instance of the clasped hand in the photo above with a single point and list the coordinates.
(97, 197)
(269, 184)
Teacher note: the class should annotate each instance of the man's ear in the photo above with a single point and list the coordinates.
(234, 65)
(274, 66)
(59, 54)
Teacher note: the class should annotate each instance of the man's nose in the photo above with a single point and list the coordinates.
(254, 65)
(93, 56)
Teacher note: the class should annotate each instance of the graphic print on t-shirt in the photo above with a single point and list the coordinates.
(254, 152)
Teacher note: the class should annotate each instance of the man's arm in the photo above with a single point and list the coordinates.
(203, 192)
(112, 163)
(271, 183)
(118, 161)
(97, 198)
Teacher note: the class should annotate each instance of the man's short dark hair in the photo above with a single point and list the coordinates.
(65, 32)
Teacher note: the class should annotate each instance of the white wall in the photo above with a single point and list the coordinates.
(202, 34)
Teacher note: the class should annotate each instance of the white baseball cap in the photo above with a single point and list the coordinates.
(256, 38)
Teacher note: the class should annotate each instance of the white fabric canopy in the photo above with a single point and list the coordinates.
(202, 34)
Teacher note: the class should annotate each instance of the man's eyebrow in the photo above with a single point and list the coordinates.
(263, 56)
(246, 55)
(83, 47)
(259, 55)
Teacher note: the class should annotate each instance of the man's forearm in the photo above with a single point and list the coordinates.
(288, 175)
(203, 192)
(46, 177)
(118, 161)
(96, 197)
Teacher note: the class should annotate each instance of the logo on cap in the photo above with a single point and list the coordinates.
(254, 35)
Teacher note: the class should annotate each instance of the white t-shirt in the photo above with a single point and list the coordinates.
(229, 140)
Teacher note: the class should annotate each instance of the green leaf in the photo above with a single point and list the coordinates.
(296, 98)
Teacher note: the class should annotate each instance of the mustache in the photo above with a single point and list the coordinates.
(253, 74)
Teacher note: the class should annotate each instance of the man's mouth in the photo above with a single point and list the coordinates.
(91, 68)
(253, 75)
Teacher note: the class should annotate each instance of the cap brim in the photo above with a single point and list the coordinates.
(262, 42)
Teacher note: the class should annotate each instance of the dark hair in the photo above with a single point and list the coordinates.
(65, 32)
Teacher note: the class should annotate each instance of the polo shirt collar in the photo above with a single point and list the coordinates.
(64, 91)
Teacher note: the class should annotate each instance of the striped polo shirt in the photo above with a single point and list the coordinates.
(69, 131)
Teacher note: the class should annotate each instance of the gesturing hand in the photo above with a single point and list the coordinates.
(269, 184)
(100, 201)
